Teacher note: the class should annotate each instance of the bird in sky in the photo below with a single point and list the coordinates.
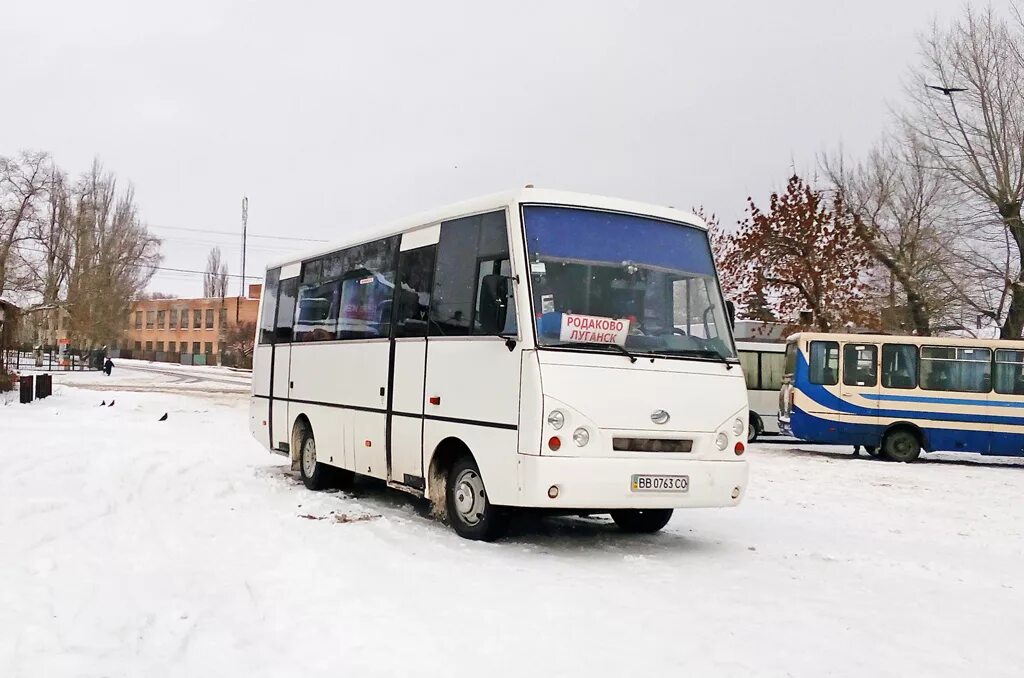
(946, 90)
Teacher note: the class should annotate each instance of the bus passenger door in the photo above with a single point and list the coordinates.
(280, 383)
(411, 309)
(859, 392)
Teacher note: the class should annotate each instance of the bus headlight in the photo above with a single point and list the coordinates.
(581, 437)
(556, 419)
(722, 440)
(737, 427)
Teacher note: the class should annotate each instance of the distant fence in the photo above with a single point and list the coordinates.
(15, 360)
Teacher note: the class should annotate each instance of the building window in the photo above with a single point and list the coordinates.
(197, 318)
(138, 345)
(195, 345)
(150, 319)
(209, 347)
(138, 320)
(161, 319)
(223, 321)
(160, 347)
(209, 318)
(222, 348)
(149, 345)
(184, 318)
(172, 319)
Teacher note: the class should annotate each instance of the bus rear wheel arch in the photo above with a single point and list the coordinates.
(315, 474)
(458, 486)
(901, 443)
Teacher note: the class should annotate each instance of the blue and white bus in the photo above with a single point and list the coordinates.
(897, 396)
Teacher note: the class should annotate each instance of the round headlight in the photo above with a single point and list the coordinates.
(737, 427)
(556, 419)
(722, 440)
(581, 437)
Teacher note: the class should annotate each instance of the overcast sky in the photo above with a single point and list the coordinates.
(334, 116)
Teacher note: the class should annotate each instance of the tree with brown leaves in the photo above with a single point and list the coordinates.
(801, 255)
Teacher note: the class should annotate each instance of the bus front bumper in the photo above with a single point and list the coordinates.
(589, 483)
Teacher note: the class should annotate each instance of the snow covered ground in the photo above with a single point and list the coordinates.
(134, 547)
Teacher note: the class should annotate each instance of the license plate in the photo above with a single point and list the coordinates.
(641, 483)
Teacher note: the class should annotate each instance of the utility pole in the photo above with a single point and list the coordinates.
(245, 223)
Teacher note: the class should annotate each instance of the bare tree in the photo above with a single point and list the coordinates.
(968, 108)
(23, 187)
(215, 279)
(906, 214)
(113, 258)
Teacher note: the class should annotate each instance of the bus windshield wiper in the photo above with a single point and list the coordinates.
(595, 344)
(699, 353)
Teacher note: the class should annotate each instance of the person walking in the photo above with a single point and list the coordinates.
(108, 367)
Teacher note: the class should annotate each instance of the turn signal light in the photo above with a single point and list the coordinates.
(739, 449)
(554, 443)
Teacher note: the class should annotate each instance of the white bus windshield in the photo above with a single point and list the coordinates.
(603, 278)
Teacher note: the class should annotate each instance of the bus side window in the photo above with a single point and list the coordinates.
(748, 361)
(268, 314)
(287, 292)
(899, 366)
(412, 296)
(469, 250)
(1009, 377)
(772, 368)
(824, 364)
(860, 363)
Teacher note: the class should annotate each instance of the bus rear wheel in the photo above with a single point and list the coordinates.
(317, 475)
(470, 512)
(642, 521)
(901, 445)
(756, 428)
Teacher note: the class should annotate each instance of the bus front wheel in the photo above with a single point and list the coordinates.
(470, 512)
(643, 521)
(901, 445)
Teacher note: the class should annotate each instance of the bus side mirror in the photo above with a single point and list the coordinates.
(731, 310)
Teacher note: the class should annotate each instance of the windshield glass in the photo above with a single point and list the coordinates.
(602, 278)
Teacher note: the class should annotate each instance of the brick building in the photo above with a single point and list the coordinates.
(187, 330)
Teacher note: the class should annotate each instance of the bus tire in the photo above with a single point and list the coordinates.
(871, 450)
(642, 521)
(756, 428)
(901, 444)
(315, 475)
(470, 513)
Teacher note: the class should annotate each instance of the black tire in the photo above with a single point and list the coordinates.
(756, 428)
(470, 512)
(871, 450)
(901, 445)
(315, 475)
(642, 521)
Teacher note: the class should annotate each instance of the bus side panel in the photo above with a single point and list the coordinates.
(531, 405)
(346, 376)
(472, 394)
(259, 408)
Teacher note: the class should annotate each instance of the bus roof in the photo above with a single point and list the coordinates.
(493, 202)
(762, 346)
(908, 339)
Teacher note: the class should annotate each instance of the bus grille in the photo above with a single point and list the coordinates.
(651, 445)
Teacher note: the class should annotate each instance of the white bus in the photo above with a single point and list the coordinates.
(530, 349)
(763, 366)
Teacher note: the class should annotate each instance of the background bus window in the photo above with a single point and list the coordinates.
(1009, 376)
(899, 366)
(951, 368)
(469, 250)
(824, 365)
(860, 363)
(749, 363)
(772, 367)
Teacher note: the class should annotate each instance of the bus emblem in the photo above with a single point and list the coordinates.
(659, 417)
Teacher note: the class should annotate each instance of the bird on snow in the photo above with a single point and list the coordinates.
(103, 403)
(164, 418)
(111, 404)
